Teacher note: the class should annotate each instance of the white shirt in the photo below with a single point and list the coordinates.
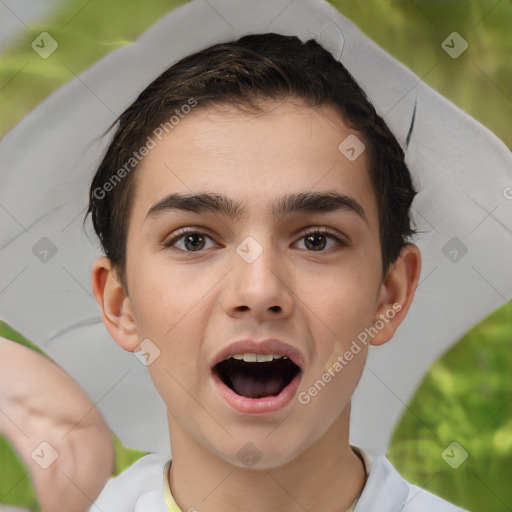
(144, 487)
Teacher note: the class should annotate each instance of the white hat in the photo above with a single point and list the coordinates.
(463, 208)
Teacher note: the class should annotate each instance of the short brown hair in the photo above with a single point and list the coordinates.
(242, 73)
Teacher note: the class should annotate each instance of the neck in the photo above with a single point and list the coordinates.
(327, 476)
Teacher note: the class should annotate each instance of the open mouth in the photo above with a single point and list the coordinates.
(256, 375)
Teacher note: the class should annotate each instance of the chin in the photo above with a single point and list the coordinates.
(259, 451)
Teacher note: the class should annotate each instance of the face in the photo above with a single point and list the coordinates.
(304, 273)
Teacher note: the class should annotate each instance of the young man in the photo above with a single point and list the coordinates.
(254, 212)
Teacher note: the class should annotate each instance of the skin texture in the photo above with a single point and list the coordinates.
(193, 304)
(39, 403)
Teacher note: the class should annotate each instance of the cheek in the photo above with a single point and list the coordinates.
(341, 303)
(338, 313)
(169, 303)
(168, 308)
(165, 296)
(339, 308)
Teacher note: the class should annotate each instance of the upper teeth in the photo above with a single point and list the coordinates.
(256, 358)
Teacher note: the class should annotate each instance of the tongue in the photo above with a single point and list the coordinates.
(250, 387)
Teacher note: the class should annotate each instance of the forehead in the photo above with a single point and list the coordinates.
(255, 157)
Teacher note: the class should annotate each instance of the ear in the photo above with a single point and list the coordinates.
(115, 305)
(396, 293)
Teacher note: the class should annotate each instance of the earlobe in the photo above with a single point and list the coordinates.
(396, 293)
(115, 305)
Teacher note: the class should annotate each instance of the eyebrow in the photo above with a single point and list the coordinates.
(310, 202)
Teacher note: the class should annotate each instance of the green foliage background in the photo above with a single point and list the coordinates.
(467, 395)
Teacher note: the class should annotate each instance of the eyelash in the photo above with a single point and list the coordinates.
(317, 231)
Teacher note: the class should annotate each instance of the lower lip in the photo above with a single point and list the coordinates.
(261, 405)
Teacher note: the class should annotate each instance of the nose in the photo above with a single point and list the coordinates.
(259, 284)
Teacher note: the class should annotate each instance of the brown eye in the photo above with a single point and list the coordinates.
(317, 241)
(189, 241)
(194, 242)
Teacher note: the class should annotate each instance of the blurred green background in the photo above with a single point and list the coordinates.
(467, 395)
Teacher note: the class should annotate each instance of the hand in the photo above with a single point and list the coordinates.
(41, 403)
